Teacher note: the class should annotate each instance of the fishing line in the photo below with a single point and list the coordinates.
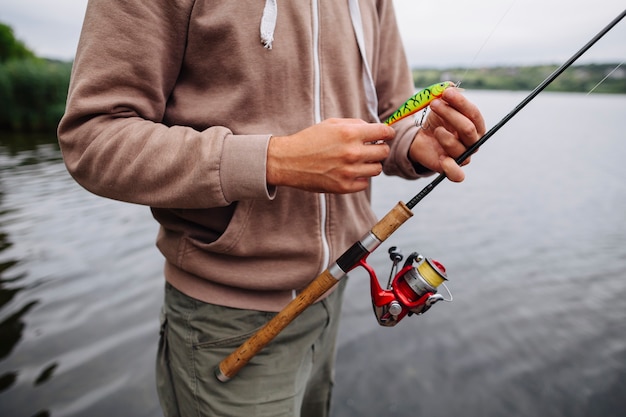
(426, 190)
(485, 43)
(419, 120)
(607, 76)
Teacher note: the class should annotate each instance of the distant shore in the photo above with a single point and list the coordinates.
(578, 78)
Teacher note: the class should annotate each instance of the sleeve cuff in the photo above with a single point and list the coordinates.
(399, 163)
(243, 168)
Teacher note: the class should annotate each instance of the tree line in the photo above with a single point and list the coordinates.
(33, 90)
(578, 78)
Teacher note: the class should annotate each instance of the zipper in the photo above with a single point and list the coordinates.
(318, 118)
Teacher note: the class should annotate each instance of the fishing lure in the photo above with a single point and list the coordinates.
(419, 101)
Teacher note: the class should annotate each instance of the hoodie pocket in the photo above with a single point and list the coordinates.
(279, 227)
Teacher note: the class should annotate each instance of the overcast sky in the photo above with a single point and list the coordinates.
(435, 33)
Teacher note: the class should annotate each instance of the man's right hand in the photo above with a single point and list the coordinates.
(335, 156)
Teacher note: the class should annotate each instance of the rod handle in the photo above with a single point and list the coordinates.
(232, 364)
(395, 218)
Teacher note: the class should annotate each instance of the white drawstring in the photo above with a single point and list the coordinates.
(268, 23)
(368, 81)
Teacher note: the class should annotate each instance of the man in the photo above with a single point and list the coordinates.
(252, 131)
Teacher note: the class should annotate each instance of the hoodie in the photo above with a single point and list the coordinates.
(172, 104)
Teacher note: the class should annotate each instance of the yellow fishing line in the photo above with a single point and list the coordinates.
(430, 274)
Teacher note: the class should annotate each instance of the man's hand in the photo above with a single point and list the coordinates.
(452, 126)
(335, 156)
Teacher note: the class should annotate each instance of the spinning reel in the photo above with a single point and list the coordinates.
(413, 290)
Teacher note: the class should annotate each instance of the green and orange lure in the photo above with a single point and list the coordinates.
(419, 101)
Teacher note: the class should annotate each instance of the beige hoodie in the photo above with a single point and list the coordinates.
(172, 104)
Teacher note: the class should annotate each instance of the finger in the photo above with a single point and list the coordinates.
(449, 142)
(454, 98)
(359, 180)
(453, 172)
(458, 101)
(375, 152)
(376, 132)
(456, 122)
(336, 120)
(372, 169)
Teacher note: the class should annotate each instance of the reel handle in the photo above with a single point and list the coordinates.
(395, 255)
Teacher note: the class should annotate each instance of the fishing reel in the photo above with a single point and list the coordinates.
(412, 290)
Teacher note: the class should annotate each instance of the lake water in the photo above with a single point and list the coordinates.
(534, 242)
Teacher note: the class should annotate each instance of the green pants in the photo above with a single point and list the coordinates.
(291, 377)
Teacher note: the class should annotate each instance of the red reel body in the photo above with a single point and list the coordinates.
(413, 290)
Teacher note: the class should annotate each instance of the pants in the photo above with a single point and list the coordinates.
(292, 376)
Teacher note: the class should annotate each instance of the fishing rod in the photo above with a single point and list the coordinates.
(412, 290)
(418, 197)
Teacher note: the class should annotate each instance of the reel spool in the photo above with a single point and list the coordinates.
(413, 290)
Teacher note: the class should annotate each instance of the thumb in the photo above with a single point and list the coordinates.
(452, 170)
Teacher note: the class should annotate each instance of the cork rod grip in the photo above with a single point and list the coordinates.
(233, 363)
(396, 217)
